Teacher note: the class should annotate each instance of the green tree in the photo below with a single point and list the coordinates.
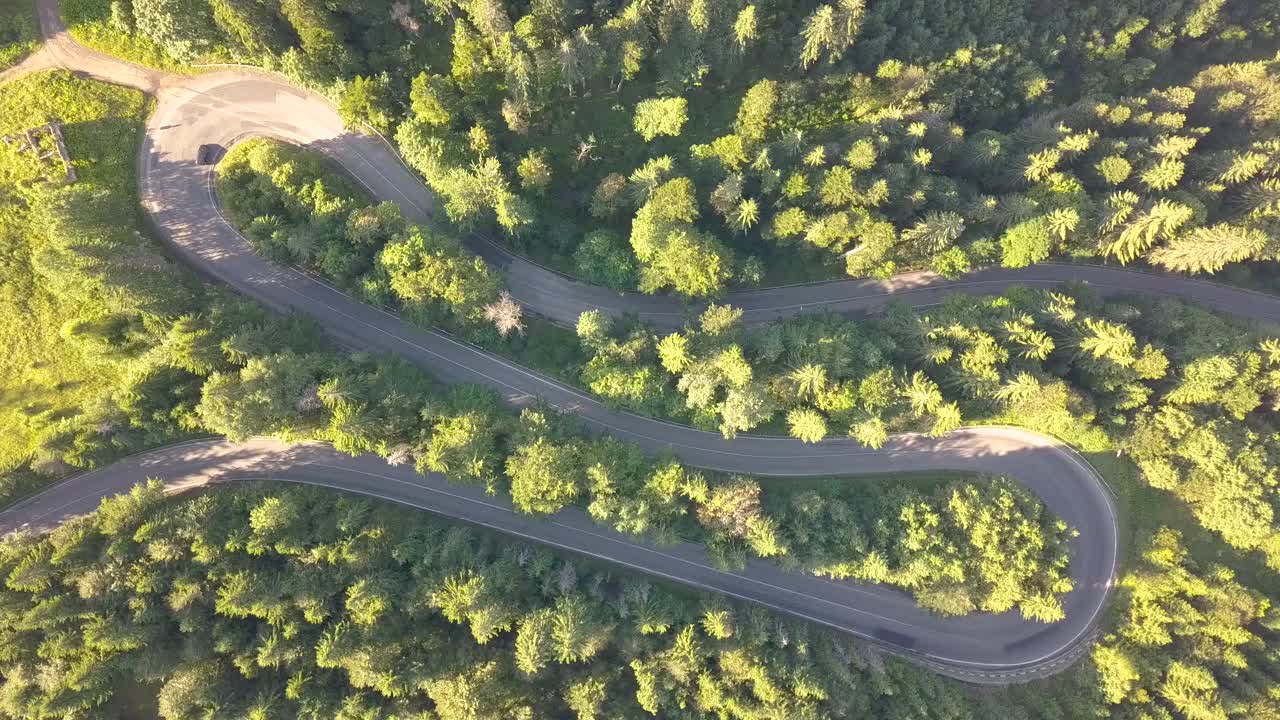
(577, 633)
(757, 109)
(935, 232)
(671, 250)
(426, 266)
(183, 28)
(535, 172)
(269, 395)
(434, 100)
(1025, 244)
(587, 697)
(534, 642)
(604, 258)
(256, 27)
(322, 35)
(545, 475)
(368, 100)
(661, 116)
(1209, 249)
(807, 425)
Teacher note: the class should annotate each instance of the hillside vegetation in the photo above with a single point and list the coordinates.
(1190, 397)
(274, 602)
(1009, 553)
(1186, 395)
(690, 145)
(65, 334)
(179, 359)
(682, 147)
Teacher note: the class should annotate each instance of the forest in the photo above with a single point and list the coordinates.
(680, 147)
(267, 602)
(185, 357)
(1011, 554)
(694, 146)
(226, 365)
(1188, 396)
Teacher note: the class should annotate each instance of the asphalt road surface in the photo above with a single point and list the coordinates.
(225, 107)
(978, 648)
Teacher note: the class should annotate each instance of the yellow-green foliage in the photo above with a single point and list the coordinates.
(44, 377)
(89, 22)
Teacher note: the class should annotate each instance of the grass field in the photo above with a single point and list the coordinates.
(19, 34)
(43, 377)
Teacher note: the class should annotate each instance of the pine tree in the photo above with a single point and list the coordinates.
(807, 425)
(577, 634)
(936, 232)
(1114, 169)
(923, 394)
(533, 642)
(746, 215)
(587, 697)
(746, 27)
(1041, 164)
(818, 34)
(1163, 175)
(1209, 249)
(1159, 222)
(661, 116)
(1261, 199)
(1108, 340)
(870, 432)
(1243, 166)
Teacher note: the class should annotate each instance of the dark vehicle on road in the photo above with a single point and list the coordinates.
(210, 154)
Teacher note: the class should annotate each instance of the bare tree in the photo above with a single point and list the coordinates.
(310, 400)
(400, 454)
(505, 314)
(585, 150)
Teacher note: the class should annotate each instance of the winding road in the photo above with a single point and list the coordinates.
(226, 107)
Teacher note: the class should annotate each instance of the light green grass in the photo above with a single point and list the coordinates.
(19, 34)
(43, 377)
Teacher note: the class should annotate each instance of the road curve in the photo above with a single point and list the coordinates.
(960, 647)
(225, 107)
(177, 194)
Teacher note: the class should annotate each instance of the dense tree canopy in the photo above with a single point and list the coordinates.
(296, 208)
(1183, 395)
(279, 602)
(1193, 643)
(1188, 396)
(685, 147)
(858, 137)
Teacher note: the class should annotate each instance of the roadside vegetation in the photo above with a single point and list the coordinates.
(685, 147)
(110, 27)
(1098, 374)
(295, 209)
(65, 253)
(281, 602)
(1188, 396)
(179, 359)
(694, 146)
(270, 601)
(19, 34)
